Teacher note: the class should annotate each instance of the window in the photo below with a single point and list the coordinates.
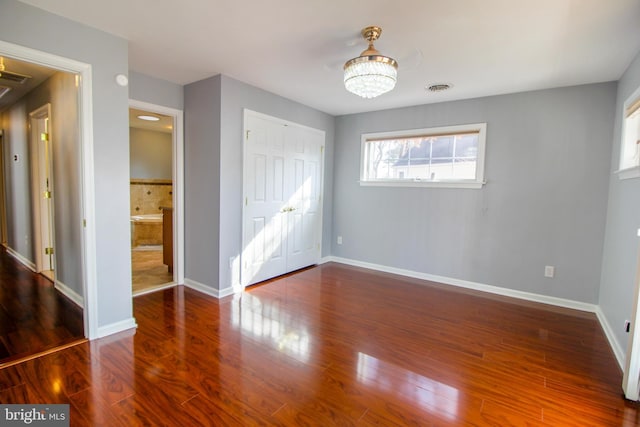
(450, 156)
(630, 147)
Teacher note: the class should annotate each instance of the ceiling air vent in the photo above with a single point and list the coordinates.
(4, 90)
(14, 77)
(438, 87)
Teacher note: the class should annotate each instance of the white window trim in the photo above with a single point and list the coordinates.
(633, 171)
(465, 183)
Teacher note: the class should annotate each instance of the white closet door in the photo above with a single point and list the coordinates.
(304, 156)
(264, 241)
(282, 185)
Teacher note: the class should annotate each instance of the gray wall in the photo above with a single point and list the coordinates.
(620, 258)
(544, 203)
(18, 181)
(213, 167)
(202, 181)
(155, 91)
(150, 153)
(34, 28)
(235, 97)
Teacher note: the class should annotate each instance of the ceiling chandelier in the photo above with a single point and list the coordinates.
(370, 74)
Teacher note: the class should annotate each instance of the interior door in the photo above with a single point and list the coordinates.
(304, 155)
(46, 193)
(264, 252)
(42, 190)
(282, 189)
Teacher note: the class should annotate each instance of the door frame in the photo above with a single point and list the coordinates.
(178, 180)
(37, 164)
(242, 282)
(88, 263)
(631, 373)
(3, 193)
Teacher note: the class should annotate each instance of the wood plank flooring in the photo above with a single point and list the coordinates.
(34, 317)
(336, 345)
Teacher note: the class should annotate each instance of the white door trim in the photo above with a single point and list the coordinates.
(85, 119)
(178, 181)
(631, 378)
(3, 192)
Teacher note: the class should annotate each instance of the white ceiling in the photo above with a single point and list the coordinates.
(296, 48)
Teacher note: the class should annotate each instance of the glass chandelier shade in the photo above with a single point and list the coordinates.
(370, 74)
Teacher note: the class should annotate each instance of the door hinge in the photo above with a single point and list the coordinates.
(247, 134)
(47, 194)
(246, 201)
(48, 251)
(321, 149)
(84, 223)
(44, 136)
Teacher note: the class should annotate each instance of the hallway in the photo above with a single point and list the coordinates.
(34, 317)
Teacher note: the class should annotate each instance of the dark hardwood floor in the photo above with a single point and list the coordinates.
(336, 345)
(34, 317)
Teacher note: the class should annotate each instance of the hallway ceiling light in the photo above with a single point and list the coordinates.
(149, 118)
(370, 74)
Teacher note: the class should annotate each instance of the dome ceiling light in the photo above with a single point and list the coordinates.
(149, 118)
(370, 74)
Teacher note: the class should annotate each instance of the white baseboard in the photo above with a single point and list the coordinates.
(208, 290)
(70, 293)
(544, 299)
(617, 349)
(114, 328)
(619, 352)
(21, 259)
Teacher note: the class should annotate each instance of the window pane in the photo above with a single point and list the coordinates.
(433, 157)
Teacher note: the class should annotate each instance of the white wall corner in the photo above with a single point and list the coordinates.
(76, 298)
(617, 348)
(116, 327)
(207, 290)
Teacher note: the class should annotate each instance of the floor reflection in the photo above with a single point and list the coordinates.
(431, 395)
(268, 322)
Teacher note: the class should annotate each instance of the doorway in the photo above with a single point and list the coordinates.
(156, 147)
(43, 289)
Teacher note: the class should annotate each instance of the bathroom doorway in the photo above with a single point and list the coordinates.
(152, 138)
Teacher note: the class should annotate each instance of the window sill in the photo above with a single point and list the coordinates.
(629, 173)
(424, 184)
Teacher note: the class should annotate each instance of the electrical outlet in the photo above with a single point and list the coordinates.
(339, 240)
(549, 271)
(627, 326)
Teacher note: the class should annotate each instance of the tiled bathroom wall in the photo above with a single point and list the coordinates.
(149, 196)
